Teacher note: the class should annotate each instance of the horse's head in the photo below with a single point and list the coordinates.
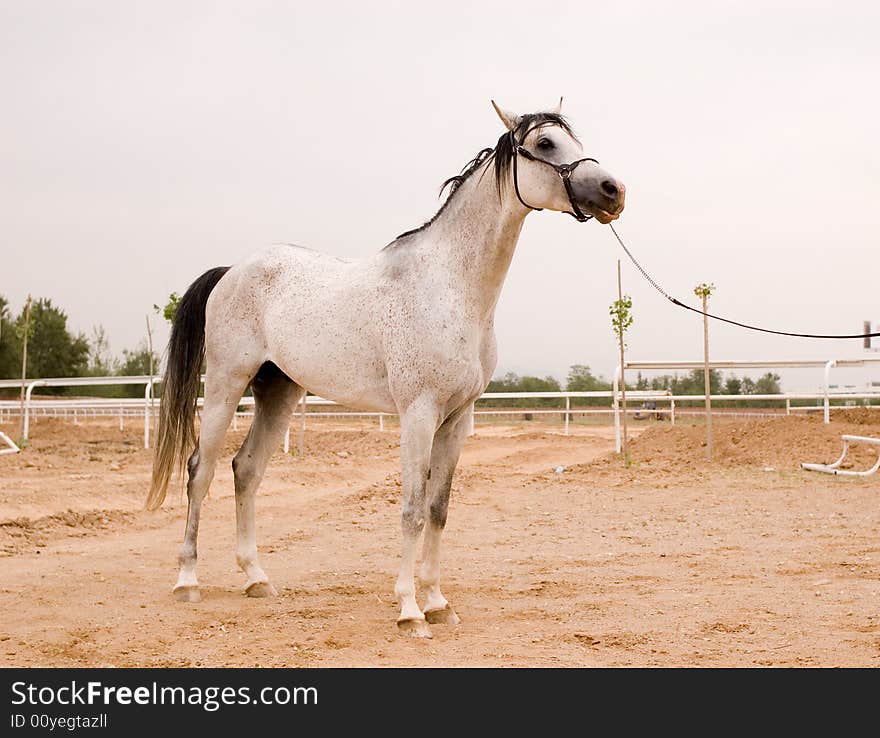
(548, 168)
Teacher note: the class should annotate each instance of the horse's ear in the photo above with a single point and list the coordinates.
(558, 108)
(507, 118)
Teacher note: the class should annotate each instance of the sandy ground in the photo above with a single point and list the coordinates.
(747, 561)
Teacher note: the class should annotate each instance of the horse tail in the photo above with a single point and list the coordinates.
(186, 352)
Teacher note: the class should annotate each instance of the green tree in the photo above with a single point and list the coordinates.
(101, 361)
(696, 379)
(581, 379)
(691, 383)
(733, 386)
(170, 310)
(704, 289)
(539, 384)
(136, 363)
(511, 382)
(10, 346)
(621, 320)
(768, 385)
(621, 317)
(663, 382)
(52, 350)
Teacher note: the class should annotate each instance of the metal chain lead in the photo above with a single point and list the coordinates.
(674, 301)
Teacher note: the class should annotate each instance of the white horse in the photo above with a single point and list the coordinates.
(408, 330)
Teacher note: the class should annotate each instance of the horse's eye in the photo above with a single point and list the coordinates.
(545, 144)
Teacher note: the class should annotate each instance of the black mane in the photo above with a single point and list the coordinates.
(502, 156)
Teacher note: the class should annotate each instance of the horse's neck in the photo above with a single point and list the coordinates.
(477, 234)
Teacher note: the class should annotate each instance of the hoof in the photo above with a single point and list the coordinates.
(260, 589)
(414, 628)
(443, 616)
(187, 594)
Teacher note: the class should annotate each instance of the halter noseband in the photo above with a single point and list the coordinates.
(563, 170)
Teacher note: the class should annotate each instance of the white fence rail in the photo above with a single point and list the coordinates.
(826, 395)
(146, 407)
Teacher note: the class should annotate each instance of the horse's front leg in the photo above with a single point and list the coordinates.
(444, 458)
(417, 427)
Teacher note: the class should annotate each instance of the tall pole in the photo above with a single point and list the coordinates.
(301, 441)
(24, 346)
(622, 370)
(706, 381)
(152, 387)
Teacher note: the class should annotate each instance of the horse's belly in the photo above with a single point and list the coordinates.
(360, 395)
(341, 367)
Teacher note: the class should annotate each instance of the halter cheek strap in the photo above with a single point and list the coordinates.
(563, 170)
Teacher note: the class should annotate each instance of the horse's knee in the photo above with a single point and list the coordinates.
(192, 465)
(438, 514)
(243, 472)
(192, 468)
(439, 509)
(412, 517)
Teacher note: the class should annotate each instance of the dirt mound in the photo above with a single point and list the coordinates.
(53, 439)
(858, 416)
(327, 442)
(777, 443)
(20, 534)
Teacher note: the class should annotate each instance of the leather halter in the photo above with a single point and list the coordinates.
(563, 170)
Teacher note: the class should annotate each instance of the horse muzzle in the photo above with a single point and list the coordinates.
(606, 202)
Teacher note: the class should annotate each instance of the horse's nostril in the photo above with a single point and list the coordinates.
(609, 188)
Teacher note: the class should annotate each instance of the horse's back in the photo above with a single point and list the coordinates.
(300, 275)
(290, 263)
(312, 314)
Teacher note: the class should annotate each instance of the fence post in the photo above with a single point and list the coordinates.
(614, 389)
(827, 383)
(672, 410)
(148, 396)
(703, 290)
(567, 412)
(301, 444)
(27, 409)
(788, 406)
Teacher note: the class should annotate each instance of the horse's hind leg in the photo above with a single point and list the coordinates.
(222, 394)
(275, 397)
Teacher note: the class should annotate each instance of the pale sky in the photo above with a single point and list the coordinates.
(143, 143)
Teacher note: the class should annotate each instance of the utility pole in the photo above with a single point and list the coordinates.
(24, 344)
(621, 319)
(152, 385)
(703, 291)
(707, 382)
(622, 370)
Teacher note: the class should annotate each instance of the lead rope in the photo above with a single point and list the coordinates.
(674, 301)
